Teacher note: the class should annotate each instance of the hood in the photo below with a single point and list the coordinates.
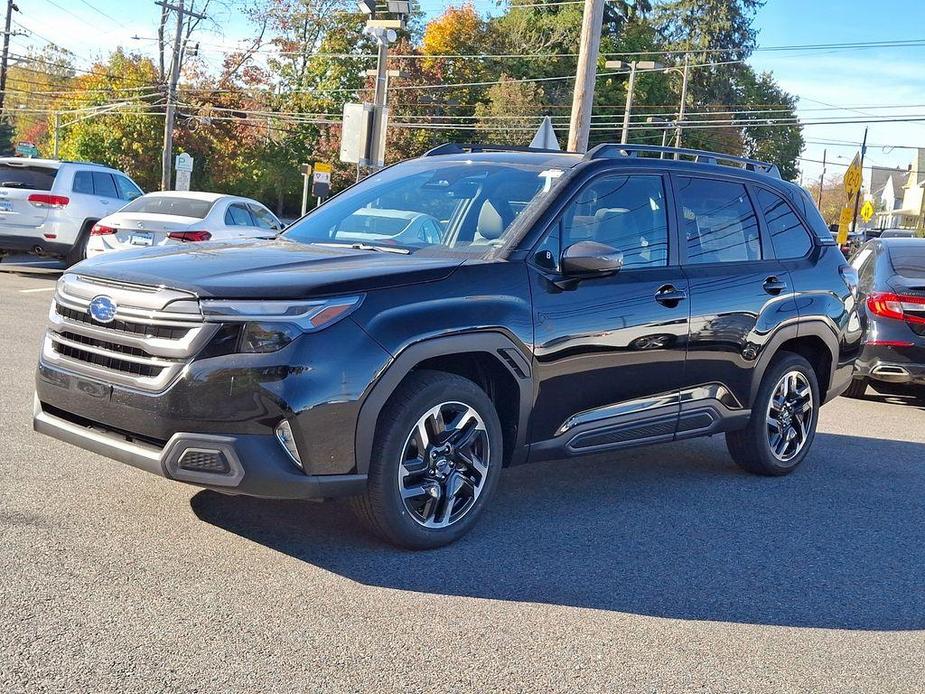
(265, 269)
(146, 221)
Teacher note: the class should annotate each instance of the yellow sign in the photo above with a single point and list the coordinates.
(844, 221)
(867, 211)
(853, 176)
(322, 167)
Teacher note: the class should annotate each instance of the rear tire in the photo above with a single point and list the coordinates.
(857, 389)
(417, 448)
(78, 251)
(783, 422)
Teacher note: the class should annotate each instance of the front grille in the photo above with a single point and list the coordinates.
(155, 332)
(161, 331)
(102, 344)
(106, 362)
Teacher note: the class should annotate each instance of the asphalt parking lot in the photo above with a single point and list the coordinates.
(661, 570)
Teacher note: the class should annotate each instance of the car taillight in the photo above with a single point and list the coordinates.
(189, 235)
(45, 200)
(101, 230)
(897, 306)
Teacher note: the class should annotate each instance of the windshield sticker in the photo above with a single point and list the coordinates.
(550, 175)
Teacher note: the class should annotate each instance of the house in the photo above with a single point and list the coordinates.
(886, 189)
(911, 213)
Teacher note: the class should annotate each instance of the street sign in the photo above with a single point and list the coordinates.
(867, 211)
(183, 180)
(844, 222)
(184, 162)
(27, 149)
(853, 177)
(321, 180)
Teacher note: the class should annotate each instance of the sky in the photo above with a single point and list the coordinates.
(859, 81)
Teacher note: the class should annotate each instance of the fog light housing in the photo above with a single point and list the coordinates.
(287, 440)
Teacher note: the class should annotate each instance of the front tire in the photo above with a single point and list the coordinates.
(436, 461)
(783, 422)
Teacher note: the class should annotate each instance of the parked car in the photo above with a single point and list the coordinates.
(897, 234)
(48, 207)
(574, 304)
(892, 291)
(175, 217)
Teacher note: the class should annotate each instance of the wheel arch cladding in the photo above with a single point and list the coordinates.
(813, 340)
(489, 359)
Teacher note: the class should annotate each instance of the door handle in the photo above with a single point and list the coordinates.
(669, 295)
(774, 285)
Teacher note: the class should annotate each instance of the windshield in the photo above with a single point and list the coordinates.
(428, 203)
(167, 204)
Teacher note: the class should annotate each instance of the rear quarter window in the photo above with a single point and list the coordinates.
(27, 177)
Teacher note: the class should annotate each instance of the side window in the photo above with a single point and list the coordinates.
(718, 221)
(83, 183)
(625, 212)
(238, 216)
(103, 185)
(264, 219)
(127, 189)
(790, 238)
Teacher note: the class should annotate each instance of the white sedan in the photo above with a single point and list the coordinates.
(174, 217)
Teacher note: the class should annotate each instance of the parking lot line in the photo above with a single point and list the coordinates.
(37, 289)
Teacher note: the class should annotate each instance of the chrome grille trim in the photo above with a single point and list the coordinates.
(130, 351)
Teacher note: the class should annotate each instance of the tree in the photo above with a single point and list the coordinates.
(511, 115)
(778, 144)
(834, 197)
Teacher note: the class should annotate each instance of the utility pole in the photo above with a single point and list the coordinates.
(630, 87)
(683, 105)
(628, 108)
(583, 96)
(821, 180)
(10, 9)
(857, 196)
(167, 155)
(384, 36)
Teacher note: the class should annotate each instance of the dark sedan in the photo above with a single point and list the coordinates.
(892, 286)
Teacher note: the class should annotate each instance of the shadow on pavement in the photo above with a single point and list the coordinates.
(671, 531)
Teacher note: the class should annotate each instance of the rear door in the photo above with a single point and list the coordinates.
(17, 182)
(240, 223)
(739, 291)
(609, 351)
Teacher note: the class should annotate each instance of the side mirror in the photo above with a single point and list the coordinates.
(590, 259)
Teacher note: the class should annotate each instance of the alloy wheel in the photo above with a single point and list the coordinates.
(790, 415)
(444, 464)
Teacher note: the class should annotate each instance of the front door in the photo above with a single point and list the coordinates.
(609, 351)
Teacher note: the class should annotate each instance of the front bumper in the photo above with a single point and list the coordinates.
(248, 464)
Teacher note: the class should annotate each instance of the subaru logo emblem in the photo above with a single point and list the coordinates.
(103, 309)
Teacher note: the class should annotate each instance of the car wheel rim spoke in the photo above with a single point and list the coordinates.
(789, 415)
(444, 465)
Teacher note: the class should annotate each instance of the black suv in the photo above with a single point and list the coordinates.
(450, 315)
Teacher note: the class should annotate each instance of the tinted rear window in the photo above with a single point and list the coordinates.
(27, 177)
(165, 204)
(909, 260)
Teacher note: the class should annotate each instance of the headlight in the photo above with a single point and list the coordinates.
(271, 325)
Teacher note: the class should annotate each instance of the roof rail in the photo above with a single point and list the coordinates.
(605, 151)
(462, 148)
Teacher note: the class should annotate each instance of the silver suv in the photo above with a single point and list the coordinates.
(47, 207)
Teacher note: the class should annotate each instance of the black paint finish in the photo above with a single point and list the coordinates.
(651, 353)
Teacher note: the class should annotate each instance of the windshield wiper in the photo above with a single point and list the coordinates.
(365, 247)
